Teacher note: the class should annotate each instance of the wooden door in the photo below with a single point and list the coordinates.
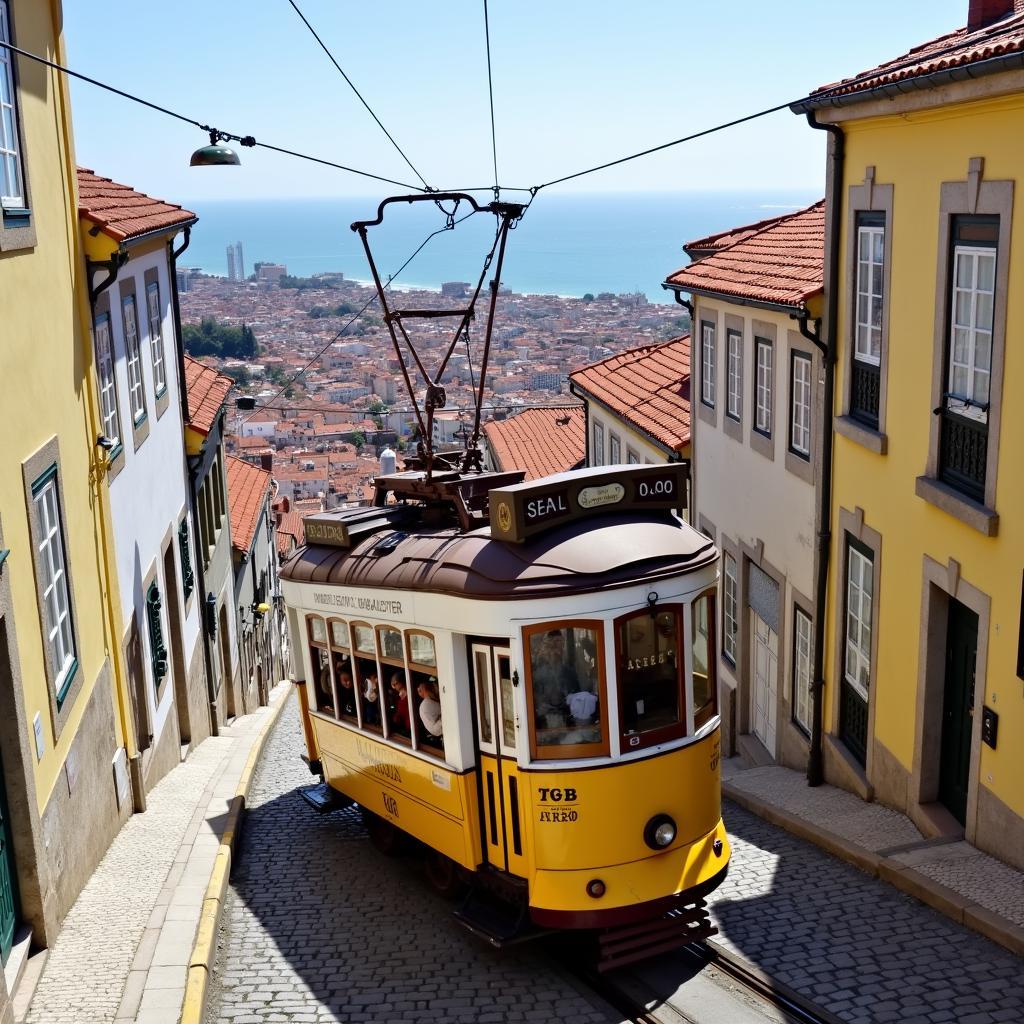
(8, 897)
(764, 696)
(958, 709)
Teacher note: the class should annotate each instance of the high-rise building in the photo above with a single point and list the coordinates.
(231, 263)
(236, 264)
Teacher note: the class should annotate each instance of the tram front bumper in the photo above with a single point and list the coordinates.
(636, 891)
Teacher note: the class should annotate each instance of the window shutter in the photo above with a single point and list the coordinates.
(156, 634)
(188, 579)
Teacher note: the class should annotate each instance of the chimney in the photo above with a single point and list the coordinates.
(981, 13)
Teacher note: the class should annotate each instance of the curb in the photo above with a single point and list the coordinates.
(205, 947)
(961, 909)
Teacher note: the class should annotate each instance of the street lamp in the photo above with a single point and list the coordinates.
(217, 155)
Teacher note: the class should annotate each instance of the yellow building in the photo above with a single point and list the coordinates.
(923, 702)
(65, 787)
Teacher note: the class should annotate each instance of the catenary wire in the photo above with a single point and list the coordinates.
(245, 140)
(366, 305)
(490, 92)
(359, 95)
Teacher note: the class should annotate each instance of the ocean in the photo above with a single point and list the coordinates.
(567, 244)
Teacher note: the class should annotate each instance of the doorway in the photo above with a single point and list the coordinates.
(225, 661)
(8, 884)
(764, 693)
(958, 708)
(179, 669)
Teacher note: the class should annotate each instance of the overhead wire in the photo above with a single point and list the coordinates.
(245, 140)
(490, 92)
(352, 86)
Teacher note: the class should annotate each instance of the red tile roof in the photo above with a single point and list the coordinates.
(953, 50)
(121, 212)
(248, 487)
(539, 441)
(781, 264)
(723, 239)
(207, 391)
(290, 534)
(647, 387)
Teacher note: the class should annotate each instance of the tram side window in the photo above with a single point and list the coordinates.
(320, 664)
(650, 672)
(367, 679)
(392, 693)
(341, 658)
(566, 690)
(702, 655)
(425, 702)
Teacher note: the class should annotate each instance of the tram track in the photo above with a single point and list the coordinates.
(632, 996)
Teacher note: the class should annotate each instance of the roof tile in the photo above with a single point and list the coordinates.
(121, 212)
(648, 387)
(248, 487)
(539, 441)
(207, 391)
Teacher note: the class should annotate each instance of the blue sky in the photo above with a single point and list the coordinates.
(575, 84)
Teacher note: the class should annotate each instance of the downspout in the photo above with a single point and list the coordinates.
(586, 422)
(687, 304)
(193, 497)
(827, 346)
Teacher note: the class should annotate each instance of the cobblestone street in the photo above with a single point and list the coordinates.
(320, 927)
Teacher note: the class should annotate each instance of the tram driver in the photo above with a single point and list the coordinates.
(566, 706)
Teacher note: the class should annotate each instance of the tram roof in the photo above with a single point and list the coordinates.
(606, 551)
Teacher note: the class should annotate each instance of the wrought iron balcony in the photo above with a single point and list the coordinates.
(865, 387)
(853, 721)
(963, 453)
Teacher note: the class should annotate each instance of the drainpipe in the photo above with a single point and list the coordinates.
(827, 346)
(193, 495)
(586, 422)
(687, 304)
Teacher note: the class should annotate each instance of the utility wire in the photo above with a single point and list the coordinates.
(366, 305)
(490, 91)
(245, 140)
(351, 85)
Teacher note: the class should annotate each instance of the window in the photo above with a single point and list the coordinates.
(763, 387)
(157, 650)
(858, 620)
(366, 689)
(156, 339)
(187, 575)
(702, 647)
(598, 459)
(614, 449)
(632, 459)
(566, 690)
(136, 394)
(963, 449)
(105, 378)
(707, 364)
(12, 182)
(802, 669)
(424, 700)
(650, 673)
(51, 561)
(800, 406)
(734, 375)
(865, 374)
(730, 605)
(320, 665)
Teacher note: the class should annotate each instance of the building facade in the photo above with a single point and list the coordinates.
(924, 700)
(756, 434)
(129, 239)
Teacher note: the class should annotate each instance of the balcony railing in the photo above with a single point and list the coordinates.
(865, 387)
(963, 453)
(853, 721)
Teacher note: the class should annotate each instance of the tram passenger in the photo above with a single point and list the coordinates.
(553, 680)
(399, 705)
(371, 700)
(346, 694)
(430, 711)
(324, 697)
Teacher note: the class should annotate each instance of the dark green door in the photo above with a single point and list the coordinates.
(8, 900)
(957, 708)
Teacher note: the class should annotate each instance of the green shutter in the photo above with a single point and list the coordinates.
(187, 576)
(158, 652)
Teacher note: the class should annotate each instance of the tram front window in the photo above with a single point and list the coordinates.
(704, 689)
(650, 677)
(565, 687)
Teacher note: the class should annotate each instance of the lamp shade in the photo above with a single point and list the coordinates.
(213, 155)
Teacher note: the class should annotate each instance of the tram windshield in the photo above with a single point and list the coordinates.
(566, 685)
(651, 677)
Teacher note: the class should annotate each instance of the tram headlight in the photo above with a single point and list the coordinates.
(595, 888)
(660, 832)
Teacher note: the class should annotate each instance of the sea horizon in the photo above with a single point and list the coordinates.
(566, 245)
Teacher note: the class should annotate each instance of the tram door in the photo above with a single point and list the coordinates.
(499, 782)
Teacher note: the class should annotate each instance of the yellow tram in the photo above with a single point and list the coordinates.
(522, 677)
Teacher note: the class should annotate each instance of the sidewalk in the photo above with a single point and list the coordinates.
(123, 951)
(955, 878)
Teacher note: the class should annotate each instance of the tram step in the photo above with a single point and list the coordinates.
(496, 921)
(629, 944)
(324, 800)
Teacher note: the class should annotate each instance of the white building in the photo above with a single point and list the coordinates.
(756, 441)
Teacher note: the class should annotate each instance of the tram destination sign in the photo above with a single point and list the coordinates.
(522, 510)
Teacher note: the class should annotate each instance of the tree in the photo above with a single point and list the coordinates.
(240, 375)
(211, 338)
(588, 297)
(358, 438)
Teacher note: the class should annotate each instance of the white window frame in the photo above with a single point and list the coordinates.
(803, 641)
(156, 338)
(136, 390)
(730, 607)
(52, 561)
(598, 459)
(105, 377)
(763, 379)
(614, 448)
(734, 375)
(857, 638)
(632, 459)
(12, 170)
(966, 402)
(707, 364)
(800, 405)
(869, 298)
